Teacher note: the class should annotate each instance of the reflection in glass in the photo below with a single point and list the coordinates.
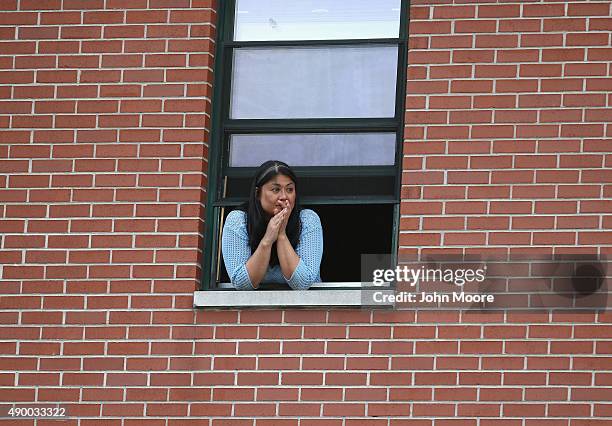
(322, 149)
(314, 82)
(258, 20)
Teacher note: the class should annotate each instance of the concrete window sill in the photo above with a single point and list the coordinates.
(320, 295)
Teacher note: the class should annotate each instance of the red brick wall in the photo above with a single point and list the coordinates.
(104, 141)
(103, 146)
(508, 127)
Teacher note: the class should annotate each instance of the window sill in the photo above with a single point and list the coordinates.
(320, 295)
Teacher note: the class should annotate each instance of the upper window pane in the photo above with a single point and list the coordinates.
(314, 82)
(259, 20)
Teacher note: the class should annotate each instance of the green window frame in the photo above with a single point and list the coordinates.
(338, 178)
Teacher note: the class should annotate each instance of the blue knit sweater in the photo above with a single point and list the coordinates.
(236, 252)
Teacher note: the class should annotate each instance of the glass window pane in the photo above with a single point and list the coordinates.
(314, 82)
(258, 20)
(323, 186)
(321, 149)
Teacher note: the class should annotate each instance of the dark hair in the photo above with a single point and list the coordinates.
(257, 219)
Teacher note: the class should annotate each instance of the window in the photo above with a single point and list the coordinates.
(320, 85)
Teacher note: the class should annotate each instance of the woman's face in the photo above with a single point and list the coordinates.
(275, 194)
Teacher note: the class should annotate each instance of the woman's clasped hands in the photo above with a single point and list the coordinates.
(278, 223)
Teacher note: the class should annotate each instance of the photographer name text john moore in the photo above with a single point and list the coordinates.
(434, 297)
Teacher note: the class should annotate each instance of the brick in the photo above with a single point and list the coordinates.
(148, 16)
(76, 4)
(166, 31)
(120, 90)
(475, 26)
(191, 16)
(451, 41)
(488, 71)
(141, 106)
(82, 379)
(139, 135)
(142, 46)
(585, 39)
(470, 117)
(593, 9)
(138, 165)
(122, 120)
(589, 394)
(510, 238)
(19, 47)
(582, 130)
(557, 55)
(81, 32)
(117, 61)
(543, 10)
(496, 41)
(489, 131)
(498, 11)
(599, 24)
(471, 86)
(170, 379)
(123, 410)
(426, 87)
(449, 12)
(102, 17)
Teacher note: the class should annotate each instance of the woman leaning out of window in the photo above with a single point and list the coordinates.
(270, 238)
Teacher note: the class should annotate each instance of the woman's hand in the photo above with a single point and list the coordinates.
(283, 226)
(274, 226)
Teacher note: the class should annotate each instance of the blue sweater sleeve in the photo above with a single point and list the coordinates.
(310, 251)
(236, 250)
